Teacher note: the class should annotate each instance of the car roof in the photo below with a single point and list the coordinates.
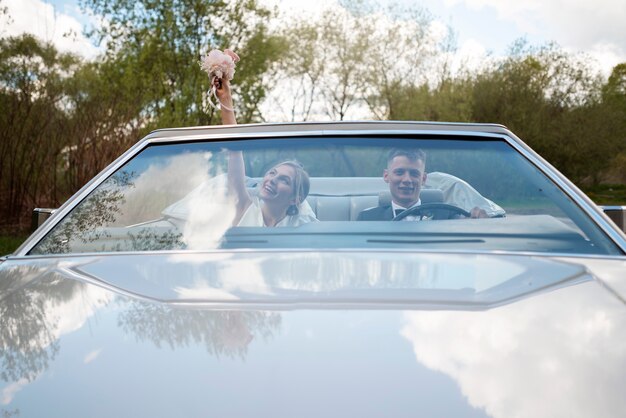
(327, 128)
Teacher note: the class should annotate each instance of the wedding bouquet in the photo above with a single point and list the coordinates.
(218, 65)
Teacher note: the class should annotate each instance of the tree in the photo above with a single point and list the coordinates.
(548, 97)
(324, 65)
(613, 111)
(33, 83)
(160, 42)
(406, 54)
(351, 60)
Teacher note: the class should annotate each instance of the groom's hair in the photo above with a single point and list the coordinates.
(411, 154)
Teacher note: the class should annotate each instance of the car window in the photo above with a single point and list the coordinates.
(177, 197)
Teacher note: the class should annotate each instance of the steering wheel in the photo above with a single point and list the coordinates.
(437, 210)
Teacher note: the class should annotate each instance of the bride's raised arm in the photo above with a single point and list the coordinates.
(236, 167)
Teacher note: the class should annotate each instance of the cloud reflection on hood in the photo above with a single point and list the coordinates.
(550, 355)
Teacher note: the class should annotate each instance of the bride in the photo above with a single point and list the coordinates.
(281, 193)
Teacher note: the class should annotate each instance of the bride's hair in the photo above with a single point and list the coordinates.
(301, 185)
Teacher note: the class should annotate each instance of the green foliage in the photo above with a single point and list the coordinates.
(354, 57)
(64, 120)
(450, 101)
(9, 243)
(614, 91)
(33, 122)
(550, 99)
(613, 110)
(607, 194)
(159, 43)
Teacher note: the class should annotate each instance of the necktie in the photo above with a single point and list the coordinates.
(397, 212)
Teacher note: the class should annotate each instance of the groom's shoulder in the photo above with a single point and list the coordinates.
(372, 214)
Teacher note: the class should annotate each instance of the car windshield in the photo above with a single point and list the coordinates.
(467, 194)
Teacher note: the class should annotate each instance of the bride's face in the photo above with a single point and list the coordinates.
(278, 185)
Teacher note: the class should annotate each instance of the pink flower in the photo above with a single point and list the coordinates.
(232, 54)
(220, 64)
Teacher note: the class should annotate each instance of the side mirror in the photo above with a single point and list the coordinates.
(39, 217)
(617, 215)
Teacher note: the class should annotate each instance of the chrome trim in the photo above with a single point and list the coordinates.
(525, 254)
(416, 124)
(320, 133)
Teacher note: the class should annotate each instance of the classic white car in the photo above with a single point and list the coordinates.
(152, 293)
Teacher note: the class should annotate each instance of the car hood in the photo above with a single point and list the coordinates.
(300, 334)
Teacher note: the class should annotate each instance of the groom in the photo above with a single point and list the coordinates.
(405, 174)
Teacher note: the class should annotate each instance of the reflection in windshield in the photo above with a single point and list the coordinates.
(198, 210)
(175, 196)
(84, 225)
(541, 357)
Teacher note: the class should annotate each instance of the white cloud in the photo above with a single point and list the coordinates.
(596, 28)
(48, 24)
(470, 56)
(297, 7)
(10, 390)
(69, 319)
(558, 354)
(607, 56)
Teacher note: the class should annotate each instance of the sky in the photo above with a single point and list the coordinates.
(593, 27)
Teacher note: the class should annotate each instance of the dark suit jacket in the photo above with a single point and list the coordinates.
(379, 213)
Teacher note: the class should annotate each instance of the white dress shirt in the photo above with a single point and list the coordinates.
(395, 206)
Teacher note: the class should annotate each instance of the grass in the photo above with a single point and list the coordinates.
(602, 195)
(607, 194)
(9, 243)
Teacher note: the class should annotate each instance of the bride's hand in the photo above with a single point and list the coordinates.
(222, 91)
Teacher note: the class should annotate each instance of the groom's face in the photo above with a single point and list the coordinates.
(405, 178)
